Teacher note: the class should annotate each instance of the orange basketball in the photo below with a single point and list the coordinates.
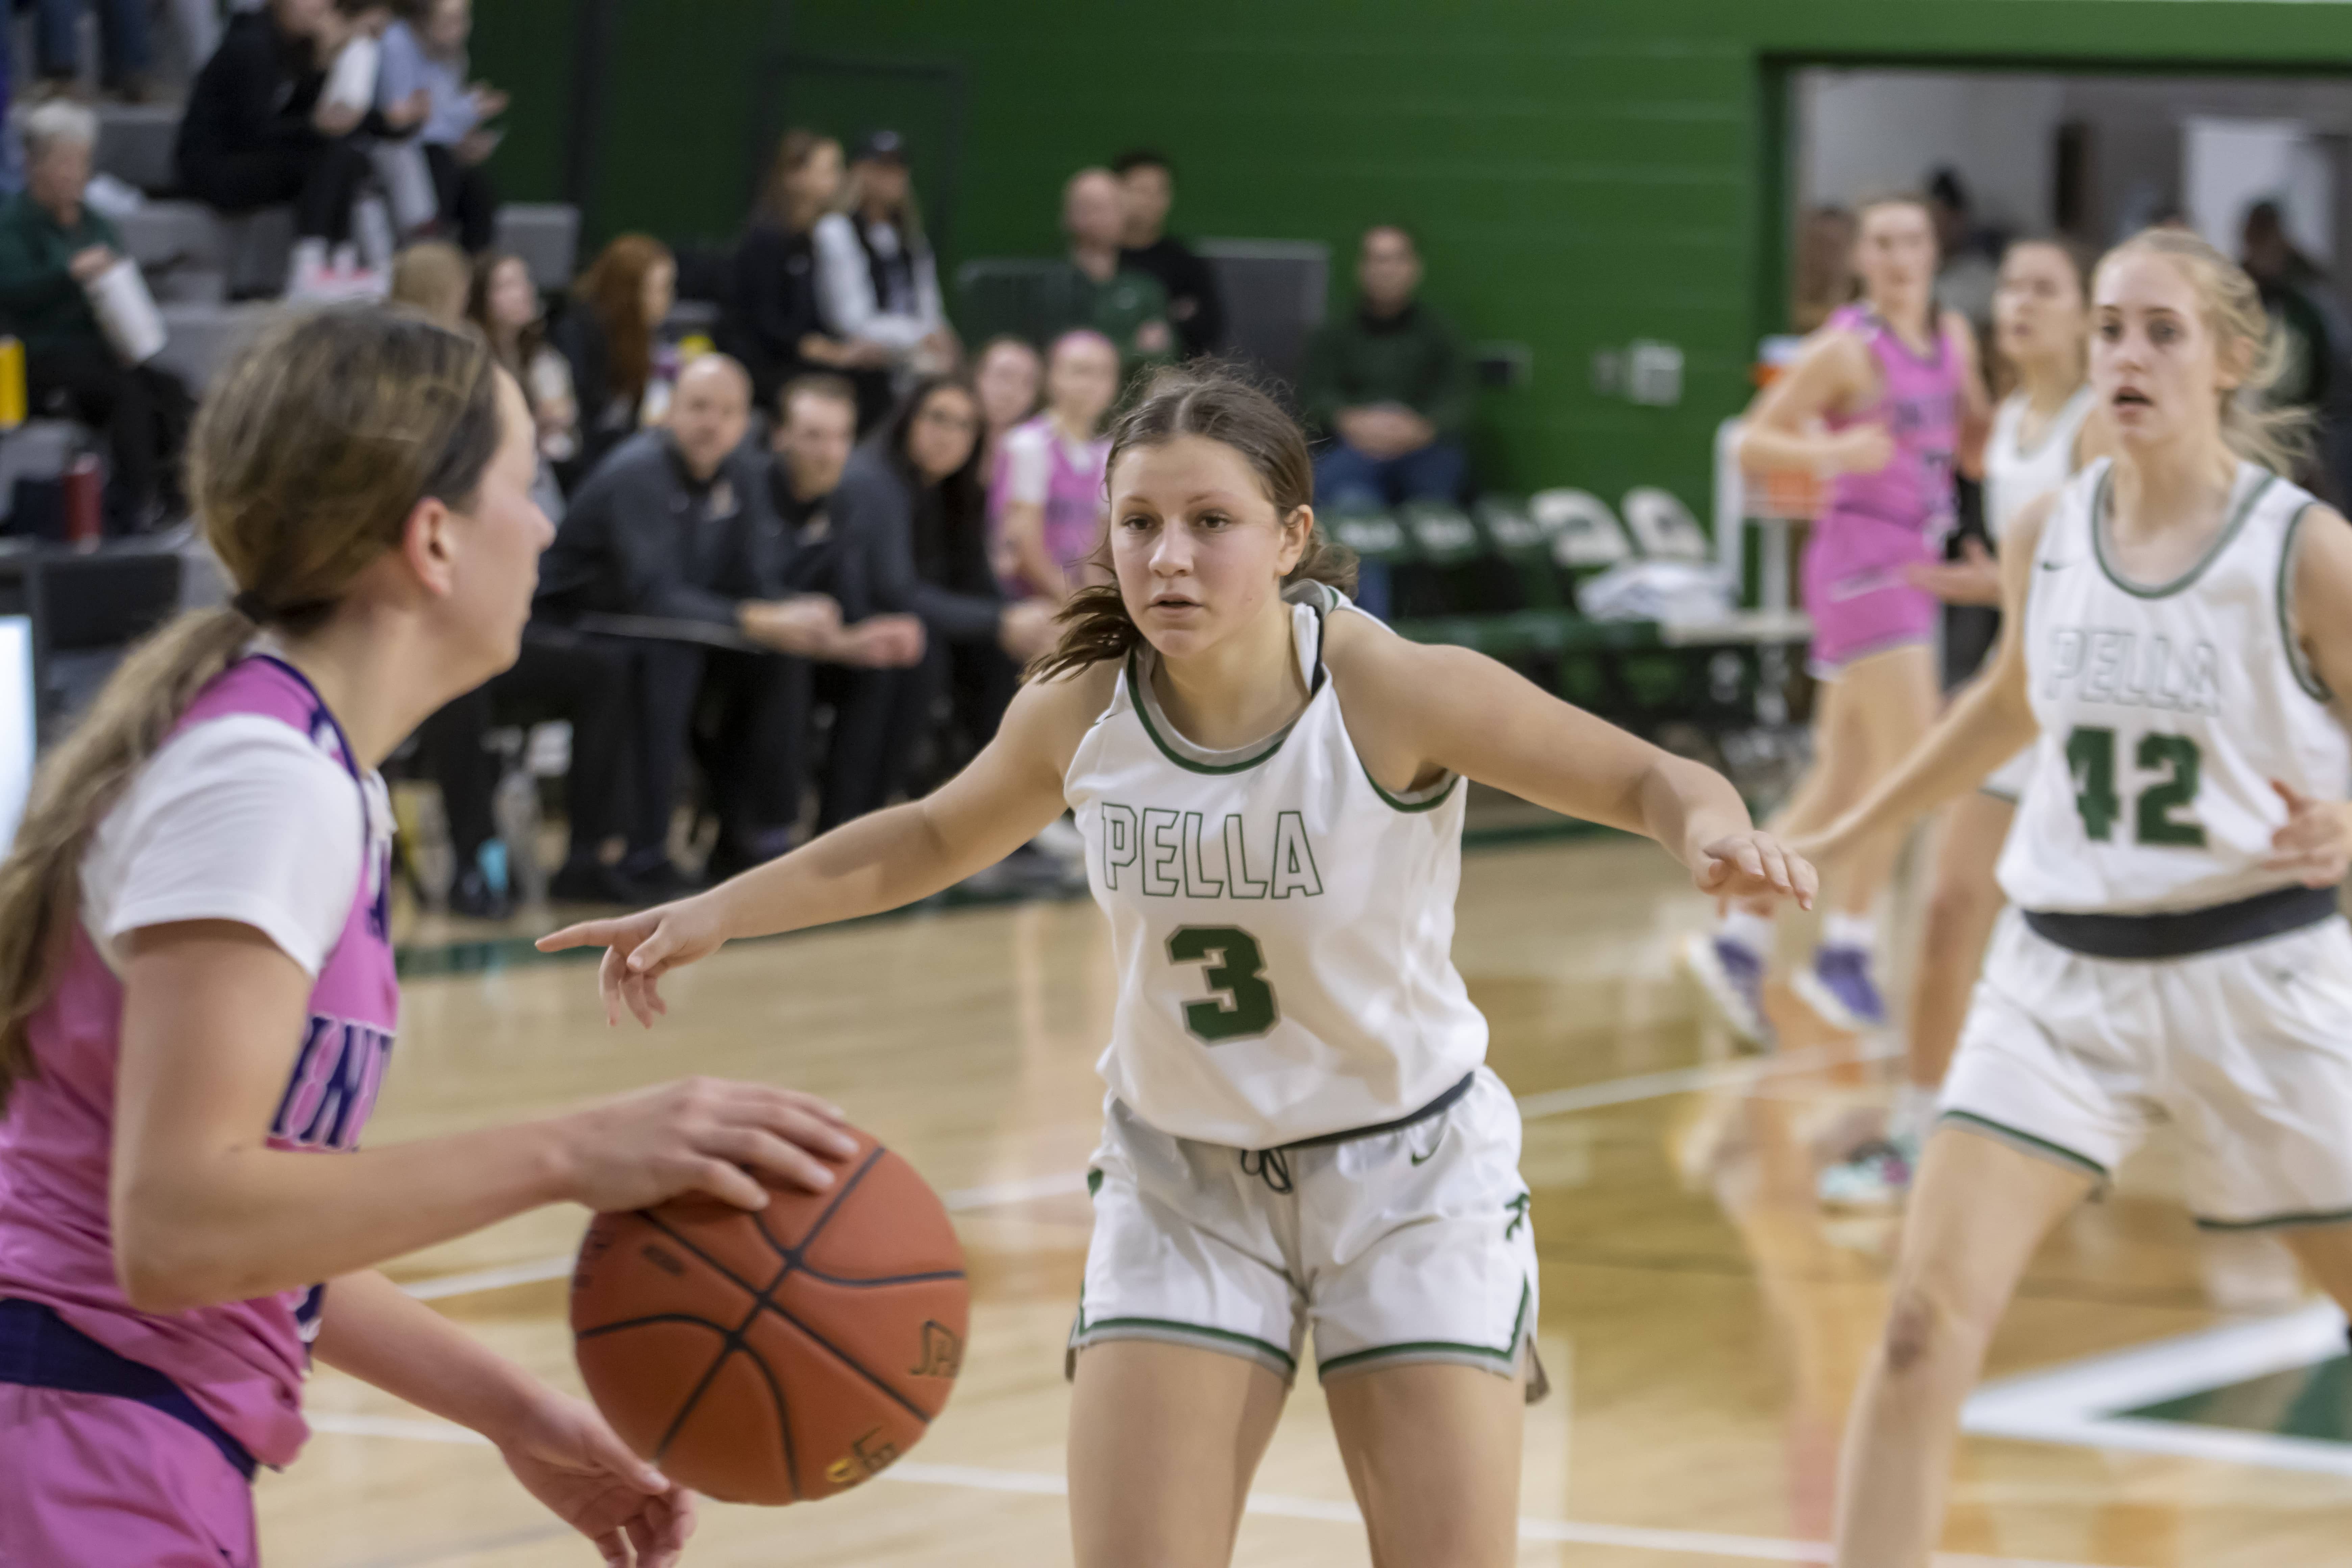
(778, 1356)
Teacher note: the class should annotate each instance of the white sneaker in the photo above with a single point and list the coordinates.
(1875, 1177)
(1732, 979)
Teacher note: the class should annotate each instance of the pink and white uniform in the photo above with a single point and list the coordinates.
(127, 1438)
(1041, 467)
(1876, 525)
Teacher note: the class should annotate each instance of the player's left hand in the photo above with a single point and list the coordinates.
(567, 1458)
(1754, 865)
(2315, 845)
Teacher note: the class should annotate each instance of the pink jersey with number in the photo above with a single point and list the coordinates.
(243, 1362)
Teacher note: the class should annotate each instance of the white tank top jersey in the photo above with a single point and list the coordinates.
(2014, 476)
(2166, 711)
(1283, 926)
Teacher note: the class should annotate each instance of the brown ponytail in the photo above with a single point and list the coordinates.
(1217, 402)
(309, 454)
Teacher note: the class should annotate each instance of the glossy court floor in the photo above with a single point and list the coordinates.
(1702, 1319)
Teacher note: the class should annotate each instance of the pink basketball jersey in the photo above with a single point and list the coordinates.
(243, 1362)
(1919, 404)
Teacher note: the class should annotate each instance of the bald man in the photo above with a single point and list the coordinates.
(673, 544)
(1131, 307)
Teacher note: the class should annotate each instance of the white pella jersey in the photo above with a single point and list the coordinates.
(1283, 926)
(2166, 711)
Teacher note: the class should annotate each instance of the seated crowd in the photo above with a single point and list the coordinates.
(820, 623)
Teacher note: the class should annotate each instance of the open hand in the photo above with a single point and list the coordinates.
(2315, 845)
(567, 1457)
(1754, 865)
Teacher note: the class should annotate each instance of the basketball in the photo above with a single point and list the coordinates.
(780, 1356)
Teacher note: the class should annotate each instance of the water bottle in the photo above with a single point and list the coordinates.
(84, 517)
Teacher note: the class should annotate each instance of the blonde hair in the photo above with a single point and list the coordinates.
(309, 453)
(2274, 437)
(435, 276)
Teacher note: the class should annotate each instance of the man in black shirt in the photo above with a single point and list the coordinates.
(674, 543)
(1194, 309)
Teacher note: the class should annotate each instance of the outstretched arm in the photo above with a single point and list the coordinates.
(1416, 710)
(1990, 722)
(1008, 795)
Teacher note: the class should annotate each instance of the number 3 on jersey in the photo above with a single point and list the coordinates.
(1236, 967)
(2091, 758)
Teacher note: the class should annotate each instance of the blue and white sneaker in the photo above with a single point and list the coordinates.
(1838, 986)
(1875, 1177)
(1733, 980)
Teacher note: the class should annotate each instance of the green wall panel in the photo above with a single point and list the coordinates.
(1582, 172)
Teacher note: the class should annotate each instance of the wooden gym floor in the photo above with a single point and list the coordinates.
(1703, 1320)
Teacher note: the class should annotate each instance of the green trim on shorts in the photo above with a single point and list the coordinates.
(1093, 1182)
(2276, 1222)
(2025, 1143)
(1509, 1355)
(1171, 1325)
(2005, 796)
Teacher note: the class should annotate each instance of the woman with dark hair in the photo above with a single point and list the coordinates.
(608, 334)
(1301, 1129)
(773, 323)
(503, 304)
(912, 519)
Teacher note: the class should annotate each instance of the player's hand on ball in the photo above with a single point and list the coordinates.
(732, 1140)
(1754, 865)
(639, 948)
(567, 1458)
(2315, 845)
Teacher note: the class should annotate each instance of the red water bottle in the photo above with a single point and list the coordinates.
(84, 523)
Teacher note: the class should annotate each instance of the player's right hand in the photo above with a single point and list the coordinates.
(639, 948)
(732, 1140)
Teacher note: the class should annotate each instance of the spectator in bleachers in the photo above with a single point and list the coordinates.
(434, 277)
(1130, 309)
(1046, 501)
(1390, 383)
(52, 245)
(124, 49)
(503, 304)
(675, 527)
(772, 322)
(607, 332)
(1970, 270)
(878, 283)
(2308, 322)
(259, 131)
(1147, 184)
(912, 523)
(424, 52)
(1008, 376)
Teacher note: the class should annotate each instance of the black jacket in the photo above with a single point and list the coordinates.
(1195, 307)
(640, 539)
(898, 552)
(257, 94)
(771, 306)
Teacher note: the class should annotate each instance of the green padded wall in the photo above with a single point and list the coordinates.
(1583, 173)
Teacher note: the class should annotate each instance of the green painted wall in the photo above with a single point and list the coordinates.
(1582, 172)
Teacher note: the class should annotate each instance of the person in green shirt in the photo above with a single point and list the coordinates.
(51, 245)
(1388, 383)
(1129, 308)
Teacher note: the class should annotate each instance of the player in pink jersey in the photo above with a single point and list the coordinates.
(1047, 501)
(197, 997)
(1879, 402)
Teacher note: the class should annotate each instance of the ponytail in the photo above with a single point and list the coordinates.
(312, 450)
(1221, 403)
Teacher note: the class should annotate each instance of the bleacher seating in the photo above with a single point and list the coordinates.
(134, 145)
(546, 235)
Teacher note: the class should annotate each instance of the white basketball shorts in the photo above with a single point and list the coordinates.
(1407, 1245)
(2247, 1049)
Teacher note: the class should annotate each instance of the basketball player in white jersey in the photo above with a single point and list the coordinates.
(2178, 617)
(2042, 433)
(1300, 1128)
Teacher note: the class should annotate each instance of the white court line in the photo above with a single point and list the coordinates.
(1279, 1505)
(2076, 1404)
(1532, 1107)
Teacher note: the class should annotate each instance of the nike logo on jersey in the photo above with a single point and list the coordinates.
(1425, 1158)
(2131, 670)
(2054, 565)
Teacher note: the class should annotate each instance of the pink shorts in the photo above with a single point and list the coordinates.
(92, 1481)
(1857, 594)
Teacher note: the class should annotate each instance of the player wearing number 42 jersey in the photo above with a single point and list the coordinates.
(2177, 619)
(1301, 1129)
